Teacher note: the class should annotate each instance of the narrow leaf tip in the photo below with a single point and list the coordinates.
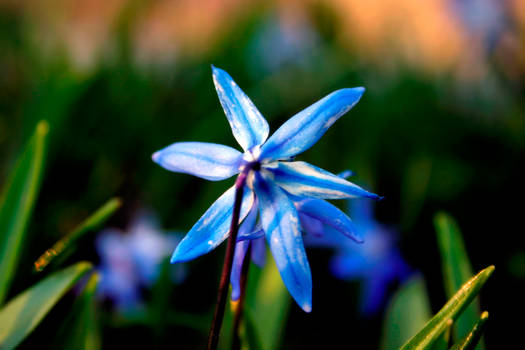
(42, 128)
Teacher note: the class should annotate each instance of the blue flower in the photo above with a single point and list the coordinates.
(377, 263)
(274, 180)
(130, 261)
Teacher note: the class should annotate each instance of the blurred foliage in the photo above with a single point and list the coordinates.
(24, 312)
(92, 223)
(456, 269)
(17, 202)
(267, 306)
(81, 328)
(407, 312)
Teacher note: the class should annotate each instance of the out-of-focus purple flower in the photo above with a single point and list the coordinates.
(130, 261)
(275, 184)
(377, 263)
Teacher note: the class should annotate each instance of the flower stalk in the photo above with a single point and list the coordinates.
(213, 338)
(236, 339)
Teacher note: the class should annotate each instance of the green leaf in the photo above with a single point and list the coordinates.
(17, 202)
(91, 224)
(473, 338)
(80, 329)
(452, 309)
(267, 304)
(456, 269)
(23, 313)
(408, 311)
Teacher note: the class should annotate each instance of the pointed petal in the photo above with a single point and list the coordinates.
(209, 161)
(259, 251)
(257, 232)
(310, 225)
(281, 225)
(329, 238)
(238, 259)
(248, 226)
(248, 125)
(241, 247)
(213, 227)
(303, 130)
(329, 215)
(306, 180)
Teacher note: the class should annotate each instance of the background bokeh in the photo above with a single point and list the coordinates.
(440, 127)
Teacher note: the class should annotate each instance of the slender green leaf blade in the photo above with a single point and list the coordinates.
(452, 309)
(267, 306)
(80, 330)
(17, 202)
(408, 311)
(473, 338)
(91, 224)
(23, 313)
(456, 269)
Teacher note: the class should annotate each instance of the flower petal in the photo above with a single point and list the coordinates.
(310, 225)
(306, 180)
(248, 226)
(209, 161)
(302, 130)
(257, 232)
(281, 225)
(259, 251)
(248, 125)
(238, 259)
(330, 215)
(241, 248)
(213, 227)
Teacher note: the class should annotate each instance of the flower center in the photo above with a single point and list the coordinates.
(255, 166)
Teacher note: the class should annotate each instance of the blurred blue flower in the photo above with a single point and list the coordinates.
(274, 181)
(377, 263)
(130, 261)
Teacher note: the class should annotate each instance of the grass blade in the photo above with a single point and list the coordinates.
(24, 312)
(80, 330)
(473, 338)
(91, 224)
(452, 309)
(17, 202)
(456, 269)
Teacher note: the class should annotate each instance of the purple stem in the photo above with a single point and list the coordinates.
(213, 338)
(236, 345)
